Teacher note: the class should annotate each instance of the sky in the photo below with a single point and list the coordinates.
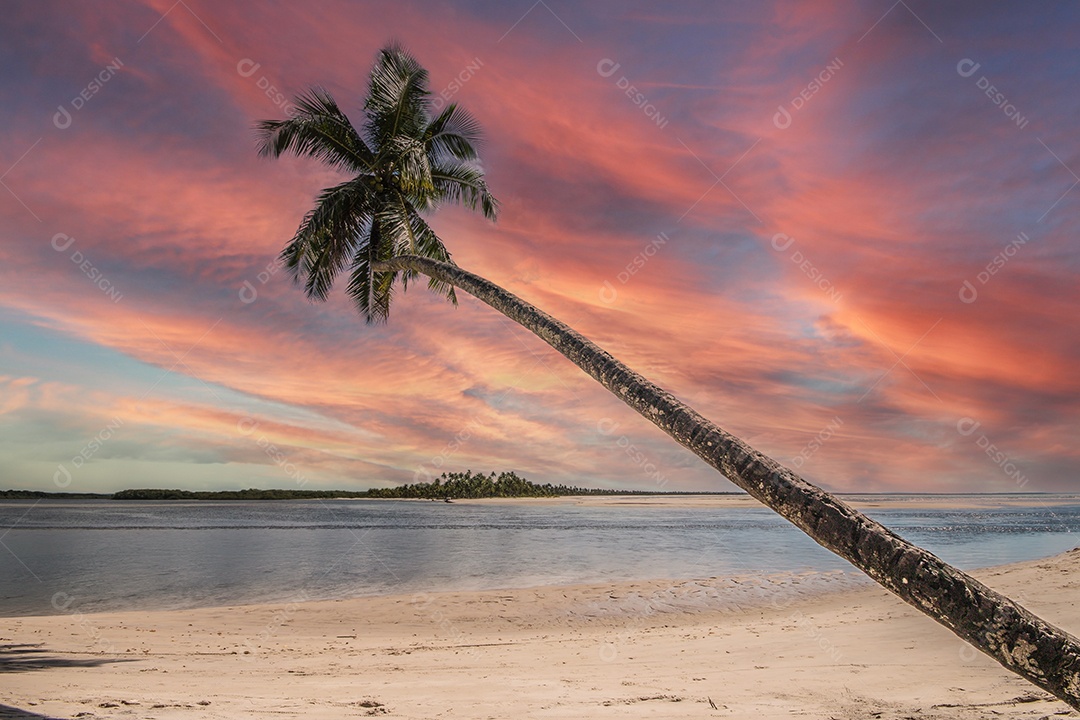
(845, 232)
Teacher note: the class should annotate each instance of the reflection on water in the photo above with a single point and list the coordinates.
(113, 555)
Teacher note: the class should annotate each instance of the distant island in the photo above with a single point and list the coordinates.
(447, 486)
(249, 494)
(42, 495)
(478, 485)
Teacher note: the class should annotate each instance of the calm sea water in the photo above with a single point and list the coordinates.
(111, 555)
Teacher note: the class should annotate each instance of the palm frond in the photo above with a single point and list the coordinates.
(398, 100)
(318, 129)
(453, 134)
(411, 165)
(407, 233)
(369, 290)
(464, 183)
(328, 236)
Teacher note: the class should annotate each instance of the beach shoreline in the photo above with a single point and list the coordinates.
(857, 501)
(602, 650)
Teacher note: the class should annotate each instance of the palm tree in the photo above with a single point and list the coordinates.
(404, 161)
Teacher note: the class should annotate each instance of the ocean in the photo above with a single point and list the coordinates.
(62, 556)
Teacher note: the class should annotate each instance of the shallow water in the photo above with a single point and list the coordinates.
(97, 555)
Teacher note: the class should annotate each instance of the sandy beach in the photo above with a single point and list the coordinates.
(656, 649)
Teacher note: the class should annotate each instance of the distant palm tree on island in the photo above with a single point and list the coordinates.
(404, 160)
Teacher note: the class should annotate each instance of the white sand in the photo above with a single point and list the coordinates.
(635, 650)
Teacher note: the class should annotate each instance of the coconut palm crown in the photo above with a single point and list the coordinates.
(404, 160)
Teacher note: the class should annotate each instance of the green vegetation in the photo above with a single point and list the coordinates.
(41, 495)
(448, 485)
(478, 485)
(403, 160)
(249, 494)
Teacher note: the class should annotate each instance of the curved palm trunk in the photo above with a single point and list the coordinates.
(1044, 654)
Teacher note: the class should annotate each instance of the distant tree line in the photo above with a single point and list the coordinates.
(477, 485)
(448, 485)
(249, 494)
(40, 494)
